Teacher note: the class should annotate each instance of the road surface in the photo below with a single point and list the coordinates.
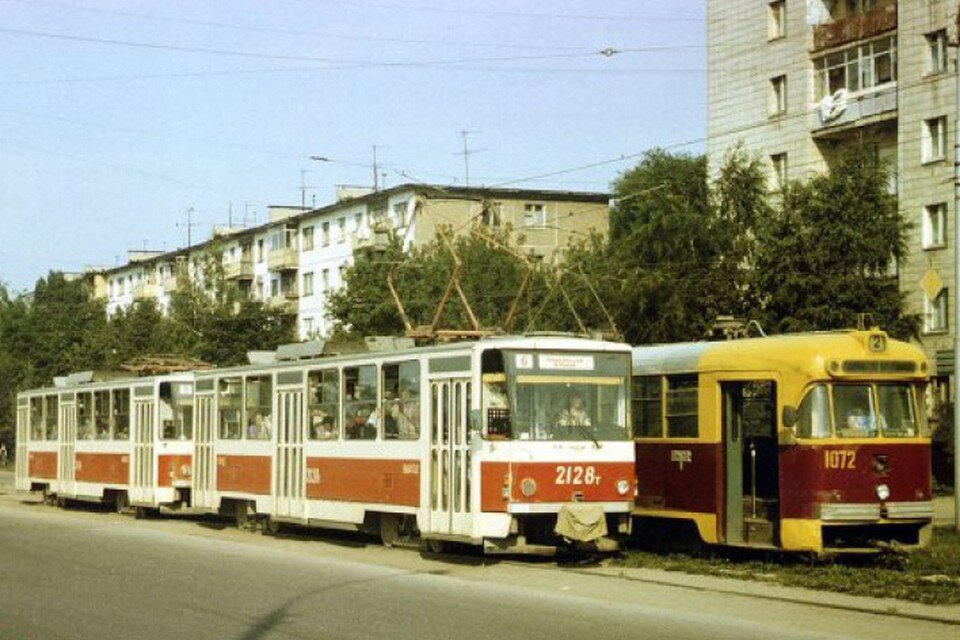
(78, 574)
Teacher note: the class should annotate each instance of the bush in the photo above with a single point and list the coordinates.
(942, 450)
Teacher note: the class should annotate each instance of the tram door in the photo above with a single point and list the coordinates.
(204, 471)
(450, 490)
(289, 465)
(67, 457)
(144, 436)
(750, 460)
(22, 459)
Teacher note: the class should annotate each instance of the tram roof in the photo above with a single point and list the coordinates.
(798, 351)
(553, 342)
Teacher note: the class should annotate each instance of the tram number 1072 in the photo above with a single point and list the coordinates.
(576, 474)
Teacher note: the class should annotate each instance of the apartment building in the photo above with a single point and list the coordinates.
(796, 80)
(297, 259)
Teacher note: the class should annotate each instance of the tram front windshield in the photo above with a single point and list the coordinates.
(862, 410)
(540, 400)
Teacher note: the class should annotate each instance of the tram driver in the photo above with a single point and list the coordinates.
(574, 415)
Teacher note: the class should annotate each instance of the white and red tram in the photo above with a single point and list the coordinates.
(513, 443)
(126, 442)
(473, 442)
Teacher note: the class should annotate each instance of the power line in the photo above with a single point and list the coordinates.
(304, 32)
(509, 14)
(282, 57)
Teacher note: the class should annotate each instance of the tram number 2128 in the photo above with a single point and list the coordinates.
(576, 474)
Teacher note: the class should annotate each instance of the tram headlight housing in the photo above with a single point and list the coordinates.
(883, 491)
(528, 487)
(623, 487)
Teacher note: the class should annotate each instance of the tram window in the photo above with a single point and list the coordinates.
(259, 407)
(121, 414)
(920, 399)
(401, 400)
(85, 430)
(51, 416)
(896, 411)
(682, 410)
(648, 407)
(360, 402)
(229, 406)
(813, 416)
(101, 414)
(176, 410)
(36, 419)
(496, 407)
(853, 411)
(323, 404)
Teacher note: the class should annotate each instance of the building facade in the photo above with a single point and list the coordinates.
(295, 260)
(794, 81)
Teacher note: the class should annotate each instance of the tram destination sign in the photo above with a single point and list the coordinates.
(565, 362)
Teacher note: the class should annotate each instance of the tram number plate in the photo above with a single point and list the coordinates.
(576, 474)
(840, 459)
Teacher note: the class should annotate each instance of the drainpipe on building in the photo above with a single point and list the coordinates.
(956, 291)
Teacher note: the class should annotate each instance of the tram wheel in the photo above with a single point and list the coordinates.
(122, 503)
(436, 546)
(269, 526)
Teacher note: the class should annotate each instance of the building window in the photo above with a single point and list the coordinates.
(936, 51)
(325, 234)
(935, 313)
(357, 222)
(856, 68)
(325, 279)
(343, 272)
(778, 96)
(308, 284)
(341, 229)
(274, 287)
(260, 255)
(935, 226)
(934, 139)
(308, 238)
(400, 213)
(777, 25)
(490, 215)
(307, 327)
(534, 215)
(779, 162)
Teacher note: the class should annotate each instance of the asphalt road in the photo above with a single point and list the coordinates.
(80, 574)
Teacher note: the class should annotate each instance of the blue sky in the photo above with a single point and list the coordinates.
(117, 116)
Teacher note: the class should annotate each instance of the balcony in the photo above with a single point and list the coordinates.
(284, 303)
(239, 270)
(857, 110)
(145, 291)
(283, 259)
(856, 27)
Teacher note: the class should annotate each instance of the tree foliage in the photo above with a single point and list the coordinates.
(59, 327)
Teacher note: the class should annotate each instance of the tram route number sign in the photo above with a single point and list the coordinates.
(681, 457)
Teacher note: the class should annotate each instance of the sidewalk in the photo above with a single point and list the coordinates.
(943, 511)
(946, 614)
(6, 480)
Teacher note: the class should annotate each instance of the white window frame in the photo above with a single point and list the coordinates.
(777, 22)
(936, 313)
(307, 289)
(779, 168)
(937, 52)
(778, 96)
(858, 66)
(325, 280)
(534, 215)
(934, 226)
(933, 139)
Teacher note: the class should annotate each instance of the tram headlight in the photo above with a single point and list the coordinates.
(883, 491)
(528, 487)
(623, 487)
(186, 471)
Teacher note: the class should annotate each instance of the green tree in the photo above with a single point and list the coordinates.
(825, 254)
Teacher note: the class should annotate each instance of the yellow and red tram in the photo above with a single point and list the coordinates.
(809, 442)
